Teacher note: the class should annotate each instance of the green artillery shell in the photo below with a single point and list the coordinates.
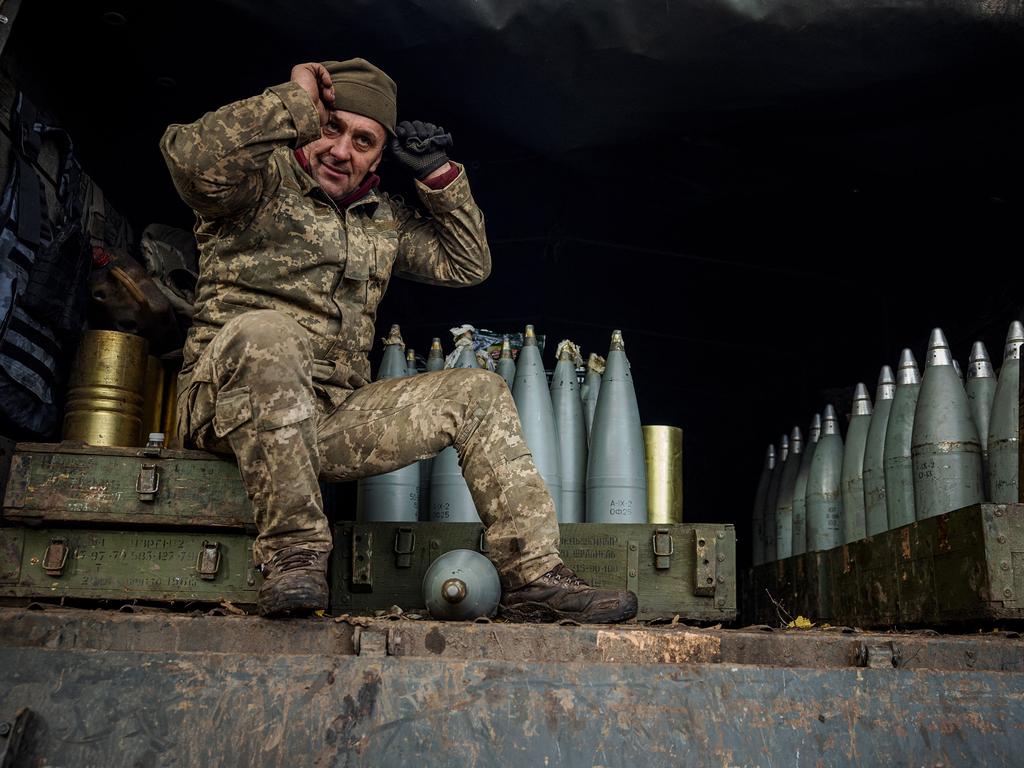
(450, 499)
(616, 464)
(787, 487)
(774, 484)
(760, 500)
(462, 585)
(981, 392)
(435, 358)
(592, 384)
(876, 514)
(506, 365)
(799, 543)
(896, 455)
(533, 401)
(946, 450)
(393, 497)
(1003, 437)
(435, 362)
(854, 524)
(571, 432)
(824, 488)
(410, 362)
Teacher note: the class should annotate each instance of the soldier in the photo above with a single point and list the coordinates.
(297, 246)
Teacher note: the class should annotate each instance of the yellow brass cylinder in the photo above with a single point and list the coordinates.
(153, 399)
(664, 450)
(170, 419)
(104, 403)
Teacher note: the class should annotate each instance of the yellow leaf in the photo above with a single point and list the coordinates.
(800, 623)
(318, 613)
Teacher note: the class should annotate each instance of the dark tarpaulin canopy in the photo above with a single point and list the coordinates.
(769, 198)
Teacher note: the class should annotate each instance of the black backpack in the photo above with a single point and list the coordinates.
(44, 268)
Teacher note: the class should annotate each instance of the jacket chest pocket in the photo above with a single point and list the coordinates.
(369, 260)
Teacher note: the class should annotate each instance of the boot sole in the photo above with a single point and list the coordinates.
(292, 603)
(541, 613)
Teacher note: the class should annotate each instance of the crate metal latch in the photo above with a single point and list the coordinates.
(208, 562)
(148, 483)
(362, 560)
(705, 563)
(405, 545)
(55, 557)
(664, 548)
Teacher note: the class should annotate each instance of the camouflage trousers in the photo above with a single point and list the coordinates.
(251, 393)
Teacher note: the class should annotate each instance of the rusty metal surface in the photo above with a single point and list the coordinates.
(190, 709)
(155, 632)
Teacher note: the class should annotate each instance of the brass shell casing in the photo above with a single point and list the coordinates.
(152, 399)
(105, 389)
(663, 447)
(169, 425)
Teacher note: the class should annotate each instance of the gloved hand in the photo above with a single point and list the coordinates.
(420, 147)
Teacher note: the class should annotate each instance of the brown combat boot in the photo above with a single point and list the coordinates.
(294, 583)
(561, 594)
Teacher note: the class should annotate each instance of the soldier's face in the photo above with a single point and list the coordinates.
(349, 148)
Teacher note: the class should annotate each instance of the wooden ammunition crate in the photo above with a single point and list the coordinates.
(964, 566)
(967, 565)
(126, 524)
(686, 570)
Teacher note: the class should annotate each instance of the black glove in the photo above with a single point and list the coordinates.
(420, 147)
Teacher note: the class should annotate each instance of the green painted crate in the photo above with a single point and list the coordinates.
(106, 564)
(126, 524)
(966, 565)
(75, 483)
(692, 574)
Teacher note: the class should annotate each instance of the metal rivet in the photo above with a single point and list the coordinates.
(1008, 593)
(721, 603)
(1001, 539)
(721, 534)
(632, 547)
(721, 557)
(1004, 565)
(721, 579)
(5, 728)
(632, 573)
(999, 513)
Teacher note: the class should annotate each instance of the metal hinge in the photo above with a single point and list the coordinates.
(482, 545)
(664, 548)
(705, 563)
(148, 483)
(371, 642)
(11, 733)
(362, 560)
(880, 656)
(55, 556)
(208, 562)
(633, 566)
(405, 546)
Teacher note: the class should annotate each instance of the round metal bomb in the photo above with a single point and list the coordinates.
(461, 585)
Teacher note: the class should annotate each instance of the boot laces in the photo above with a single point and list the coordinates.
(565, 575)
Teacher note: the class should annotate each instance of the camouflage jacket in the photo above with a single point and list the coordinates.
(270, 238)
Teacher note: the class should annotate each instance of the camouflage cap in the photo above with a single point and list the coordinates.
(364, 89)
